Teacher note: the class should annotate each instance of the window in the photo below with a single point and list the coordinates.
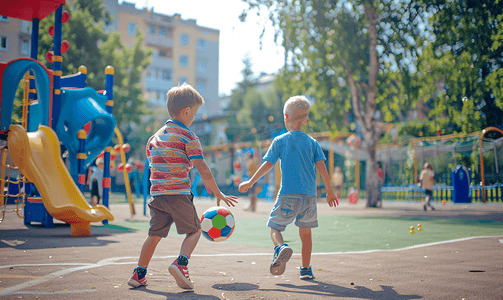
(166, 74)
(164, 31)
(25, 47)
(151, 29)
(184, 39)
(201, 45)
(183, 79)
(131, 29)
(3, 43)
(26, 26)
(184, 60)
(4, 19)
(153, 95)
(162, 53)
(201, 66)
(201, 86)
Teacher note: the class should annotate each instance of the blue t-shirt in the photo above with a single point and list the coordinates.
(298, 153)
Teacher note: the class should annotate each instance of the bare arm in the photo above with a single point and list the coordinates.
(264, 168)
(206, 174)
(331, 197)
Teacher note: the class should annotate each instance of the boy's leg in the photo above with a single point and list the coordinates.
(190, 243)
(282, 253)
(277, 237)
(307, 246)
(187, 222)
(147, 251)
(93, 200)
(178, 269)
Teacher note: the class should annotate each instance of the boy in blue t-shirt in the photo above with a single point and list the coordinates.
(299, 153)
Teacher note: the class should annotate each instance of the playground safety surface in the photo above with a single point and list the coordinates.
(46, 263)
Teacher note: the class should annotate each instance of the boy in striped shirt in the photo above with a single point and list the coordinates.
(172, 151)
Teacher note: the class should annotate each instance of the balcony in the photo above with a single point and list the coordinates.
(159, 41)
(158, 20)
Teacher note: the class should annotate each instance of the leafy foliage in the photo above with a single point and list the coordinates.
(331, 56)
(92, 47)
(467, 57)
(254, 114)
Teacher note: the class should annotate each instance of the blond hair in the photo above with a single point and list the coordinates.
(297, 108)
(99, 160)
(182, 96)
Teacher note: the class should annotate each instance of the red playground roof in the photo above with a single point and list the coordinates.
(29, 9)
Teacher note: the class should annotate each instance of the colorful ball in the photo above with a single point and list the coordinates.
(217, 223)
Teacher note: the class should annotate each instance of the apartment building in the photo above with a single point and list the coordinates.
(183, 51)
(15, 38)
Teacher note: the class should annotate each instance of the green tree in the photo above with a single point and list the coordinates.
(250, 108)
(130, 104)
(236, 131)
(466, 56)
(342, 54)
(95, 49)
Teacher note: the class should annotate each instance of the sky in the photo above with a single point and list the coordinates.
(237, 39)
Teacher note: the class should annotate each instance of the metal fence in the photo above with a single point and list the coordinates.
(441, 192)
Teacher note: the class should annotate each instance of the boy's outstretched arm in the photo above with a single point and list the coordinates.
(205, 172)
(264, 168)
(331, 197)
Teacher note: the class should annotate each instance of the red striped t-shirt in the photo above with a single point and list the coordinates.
(169, 152)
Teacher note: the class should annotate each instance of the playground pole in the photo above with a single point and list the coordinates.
(126, 175)
(107, 181)
(81, 157)
(482, 176)
(56, 66)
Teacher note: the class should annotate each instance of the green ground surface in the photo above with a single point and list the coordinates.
(354, 233)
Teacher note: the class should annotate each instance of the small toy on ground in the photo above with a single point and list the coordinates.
(217, 223)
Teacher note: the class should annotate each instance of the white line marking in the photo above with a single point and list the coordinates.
(52, 293)
(114, 261)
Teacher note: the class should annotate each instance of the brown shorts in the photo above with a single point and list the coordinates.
(166, 209)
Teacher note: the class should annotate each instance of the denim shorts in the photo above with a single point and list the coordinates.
(298, 207)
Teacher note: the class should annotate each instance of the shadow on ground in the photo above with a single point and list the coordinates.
(40, 237)
(168, 295)
(321, 289)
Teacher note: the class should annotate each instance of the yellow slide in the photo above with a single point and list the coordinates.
(38, 156)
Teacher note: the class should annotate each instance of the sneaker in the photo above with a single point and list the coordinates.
(134, 281)
(181, 275)
(282, 254)
(306, 273)
(424, 206)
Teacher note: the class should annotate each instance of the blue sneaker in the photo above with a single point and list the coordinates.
(306, 273)
(282, 254)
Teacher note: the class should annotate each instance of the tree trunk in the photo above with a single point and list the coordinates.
(370, 131)
(372, 181)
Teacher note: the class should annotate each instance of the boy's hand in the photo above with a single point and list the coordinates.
(244, 186)
(229, 200)
(332, 200)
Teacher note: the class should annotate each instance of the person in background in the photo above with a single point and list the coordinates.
(337, 181)
(95, 181)
(426, 182)
(251, 168)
